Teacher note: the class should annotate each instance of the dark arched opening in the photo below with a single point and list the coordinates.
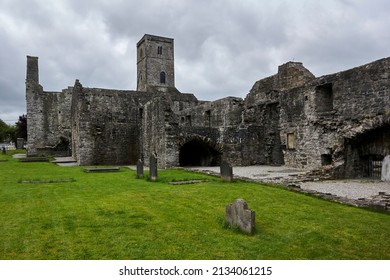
(198, 153)
(162, 78)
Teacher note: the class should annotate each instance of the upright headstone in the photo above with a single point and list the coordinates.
(239, 216)
(140, 169)
(385, 174)
(226, 172)
(19, 143)
(153, 168)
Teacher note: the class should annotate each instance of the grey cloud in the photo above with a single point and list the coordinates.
(221, 47)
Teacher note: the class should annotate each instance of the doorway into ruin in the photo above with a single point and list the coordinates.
(198, 153)
(365, 153)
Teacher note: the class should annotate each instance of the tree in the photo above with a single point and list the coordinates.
(21, 127)
(7, 132)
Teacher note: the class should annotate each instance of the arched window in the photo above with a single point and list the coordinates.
(162, 77)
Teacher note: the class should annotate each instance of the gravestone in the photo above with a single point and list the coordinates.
(226, 172)
(19, 143)
(140, 169)
(153, 168)
(238, 215)
(385, 174)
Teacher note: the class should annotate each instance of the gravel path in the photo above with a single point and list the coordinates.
(352, 189)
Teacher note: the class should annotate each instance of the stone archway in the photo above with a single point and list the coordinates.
(198, 153)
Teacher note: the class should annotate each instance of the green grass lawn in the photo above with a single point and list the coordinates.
(116, 216)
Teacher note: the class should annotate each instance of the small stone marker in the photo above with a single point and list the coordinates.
(226, 172)
(238, 215)
(19, 143)
(153, 168)
(386, 169)
(140, 169)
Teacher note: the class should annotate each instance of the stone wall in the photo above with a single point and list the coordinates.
(106, 125)
(48, 118)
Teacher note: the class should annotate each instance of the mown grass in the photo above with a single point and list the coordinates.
(116, 216)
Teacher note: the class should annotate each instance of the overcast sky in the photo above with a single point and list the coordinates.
(221, 47)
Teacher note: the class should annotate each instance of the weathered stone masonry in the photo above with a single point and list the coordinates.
(339, 123)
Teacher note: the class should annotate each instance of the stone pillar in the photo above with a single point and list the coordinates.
(226, 172)
(153, 168)
(19, 143)
(32, 69)
(140, 169)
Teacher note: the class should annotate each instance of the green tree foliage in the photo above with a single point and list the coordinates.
(7, 132)
(21, 127)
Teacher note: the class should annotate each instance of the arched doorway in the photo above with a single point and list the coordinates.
(198, 153)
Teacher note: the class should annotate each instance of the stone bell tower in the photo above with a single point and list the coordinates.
(155, 63)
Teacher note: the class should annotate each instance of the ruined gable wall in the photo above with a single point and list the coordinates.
(273, 108)
(48, 120)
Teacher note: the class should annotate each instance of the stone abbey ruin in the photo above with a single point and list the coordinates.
(338, 123)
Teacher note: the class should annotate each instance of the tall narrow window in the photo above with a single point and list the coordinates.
(159, 50)
(162, 78)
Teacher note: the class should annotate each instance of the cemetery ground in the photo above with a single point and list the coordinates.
(53, 212)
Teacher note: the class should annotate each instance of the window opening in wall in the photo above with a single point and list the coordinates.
(162, 78)
(159, 50)
(326, 159)
(188, 120)
(291, 143)
(324, 98)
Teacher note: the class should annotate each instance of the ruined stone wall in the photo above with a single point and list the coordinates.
(48, 117)
(107, 125)
(318, 115)
(160, 132)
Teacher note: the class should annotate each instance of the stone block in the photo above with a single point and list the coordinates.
(19, 143)
(238, 215)
(385, 174)
(140, 169)
(226, 172)
(153, 168)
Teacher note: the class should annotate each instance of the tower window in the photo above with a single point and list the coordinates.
(162, 78)
(159, 50)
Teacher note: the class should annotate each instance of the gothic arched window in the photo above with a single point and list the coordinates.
(162, 77)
